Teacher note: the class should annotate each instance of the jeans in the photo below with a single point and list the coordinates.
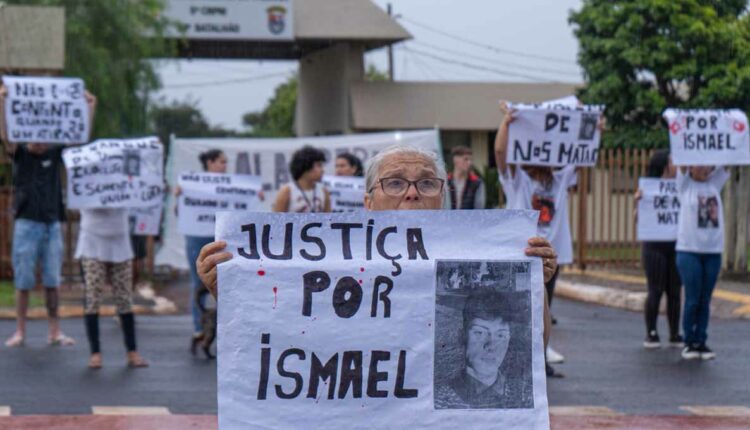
(194, 245)
(34, 242)
(698, 273)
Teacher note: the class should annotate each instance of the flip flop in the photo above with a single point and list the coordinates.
(14, 341)
(61, 340)
(95, 362)
(136, 363)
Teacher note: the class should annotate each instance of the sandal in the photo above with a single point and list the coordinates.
(61, 340)
(135, 361)
(95, 361)
(15, 340)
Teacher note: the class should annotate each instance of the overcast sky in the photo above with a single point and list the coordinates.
(503, 41)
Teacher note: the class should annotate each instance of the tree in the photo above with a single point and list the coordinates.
(642, 56)
(277, 118)
(106, 45)
(182, 118)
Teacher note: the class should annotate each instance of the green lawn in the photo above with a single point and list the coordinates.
(8, 296)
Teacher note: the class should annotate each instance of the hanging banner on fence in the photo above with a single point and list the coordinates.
(347, 192)
(115, 173)
(366, 319)
(269, 159)
(708, 137)
(658, 210)
(565, 135)
(203, 194)
(46, 110)
(145, 221)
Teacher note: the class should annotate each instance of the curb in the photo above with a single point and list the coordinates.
(605, 296)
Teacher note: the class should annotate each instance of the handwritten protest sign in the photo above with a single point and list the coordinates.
(115, 173)
(658, 210)
(204, 194)
(145, 221)
(559, 136)
(357, 320)
(347, 192)
(708, 137)
(46, 110)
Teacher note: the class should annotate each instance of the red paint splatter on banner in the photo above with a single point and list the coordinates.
(360, 281)
(675, 127)
(361, 269)
(739, 126)
(262, 273)
(275, 296)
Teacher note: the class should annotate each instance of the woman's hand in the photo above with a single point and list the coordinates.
(211, 255)
(540, 247)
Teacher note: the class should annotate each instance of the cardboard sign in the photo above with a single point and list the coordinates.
(233, 19)
(115, 173)
(554, 135)
(658, 210)
(708, 137)
(367, 320)
(269, 158)
(145, 221)
(46, 110)
(347, 192)
(204, 194)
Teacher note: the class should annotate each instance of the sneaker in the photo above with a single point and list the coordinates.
(553, 356)
(706, 353)
(691, 352)
(551, 372)
(652, 340)
(676, 341)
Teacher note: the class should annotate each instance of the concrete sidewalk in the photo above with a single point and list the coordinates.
(626, 289)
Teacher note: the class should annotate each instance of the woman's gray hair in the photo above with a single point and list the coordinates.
(373, 164)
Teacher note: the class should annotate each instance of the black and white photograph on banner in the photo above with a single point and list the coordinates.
(483, 335)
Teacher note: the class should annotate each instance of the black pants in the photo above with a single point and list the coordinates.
(550, 286)
(658, 260)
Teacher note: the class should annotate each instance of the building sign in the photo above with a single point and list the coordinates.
(234, 19)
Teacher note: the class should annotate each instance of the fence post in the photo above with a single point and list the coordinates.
(730, 221)
(583, 187)
(743, 207)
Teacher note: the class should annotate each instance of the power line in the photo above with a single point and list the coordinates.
(479, 66)
(226, 82)
(493, 61)
(484, 45)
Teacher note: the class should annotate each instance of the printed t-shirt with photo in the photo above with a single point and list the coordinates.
(522, 192)
(701, 223)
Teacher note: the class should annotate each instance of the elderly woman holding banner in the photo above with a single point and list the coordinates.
(398, 178)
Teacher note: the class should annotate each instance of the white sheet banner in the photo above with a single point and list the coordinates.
(658, 210)
(203, 194)
(368, 320)
(234, 19)
(145, 221)
(708, 137)
(115, 173)
(269, 159)
(46, 110)
(347, 192)
(559, 136)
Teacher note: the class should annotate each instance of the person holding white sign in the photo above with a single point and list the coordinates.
(700, 242)
(37, 234)
(539, 188)
(658, 260)
(213, 161)
(306, 193)
(398, 178)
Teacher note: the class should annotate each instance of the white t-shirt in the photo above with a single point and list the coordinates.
(104, 235)
(523, 192)
(701, 224)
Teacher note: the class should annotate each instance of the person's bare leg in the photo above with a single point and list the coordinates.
(22, 306)
(56, 336)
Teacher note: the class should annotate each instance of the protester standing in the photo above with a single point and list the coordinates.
(659, 262)
(700, 242)
(348, 165)
(38, 212)
(306, 192)
(213, 161)
(465, 188)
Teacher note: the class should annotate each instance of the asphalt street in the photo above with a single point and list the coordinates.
(605, 366)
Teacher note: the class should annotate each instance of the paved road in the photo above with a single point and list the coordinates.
(605, 367)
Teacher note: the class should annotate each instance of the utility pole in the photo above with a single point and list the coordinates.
(390, 50)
